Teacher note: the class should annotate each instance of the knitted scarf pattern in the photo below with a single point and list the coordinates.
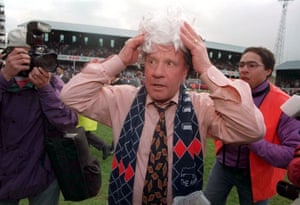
(187, 169)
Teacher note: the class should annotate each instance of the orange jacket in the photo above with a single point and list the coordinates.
(264, 177)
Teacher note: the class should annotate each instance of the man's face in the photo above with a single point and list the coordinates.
(253, 71)
(165, 70)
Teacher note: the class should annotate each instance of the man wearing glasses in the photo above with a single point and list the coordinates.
(255, 169)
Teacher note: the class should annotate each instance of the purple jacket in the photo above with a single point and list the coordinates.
(24, 166)
(279, 156)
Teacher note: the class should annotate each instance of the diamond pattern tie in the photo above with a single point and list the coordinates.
(156, 181)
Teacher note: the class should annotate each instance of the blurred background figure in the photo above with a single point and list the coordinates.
(90, 126)
(64, 75)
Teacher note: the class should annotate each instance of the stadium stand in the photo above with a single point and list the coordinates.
(288, 77)
(76, 44)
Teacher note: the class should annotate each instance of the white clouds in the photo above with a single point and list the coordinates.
(244, 23)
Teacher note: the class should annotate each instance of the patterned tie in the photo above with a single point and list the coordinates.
(156, 181)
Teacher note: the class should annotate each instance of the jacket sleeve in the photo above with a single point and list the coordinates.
(280, 155)
(57, 113)
(89, 94)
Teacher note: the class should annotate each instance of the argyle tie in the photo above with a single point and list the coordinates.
(156, 181)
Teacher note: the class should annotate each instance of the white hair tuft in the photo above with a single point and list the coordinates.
(162, 28)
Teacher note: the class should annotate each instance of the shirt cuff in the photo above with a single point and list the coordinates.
(222, 87)
(217, 77)
(113, 66)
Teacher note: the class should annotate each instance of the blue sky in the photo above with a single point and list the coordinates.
(243, 23)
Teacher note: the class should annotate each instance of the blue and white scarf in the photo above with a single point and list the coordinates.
(187, 169)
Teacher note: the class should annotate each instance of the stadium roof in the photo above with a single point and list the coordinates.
(225, 47)
(55, 25)
(289, 65)
(125, 33)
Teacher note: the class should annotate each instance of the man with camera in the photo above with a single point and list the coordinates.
(29, 104)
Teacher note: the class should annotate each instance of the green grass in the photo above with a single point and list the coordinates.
(106, 134)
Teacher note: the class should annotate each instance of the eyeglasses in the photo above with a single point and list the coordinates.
(250, 64)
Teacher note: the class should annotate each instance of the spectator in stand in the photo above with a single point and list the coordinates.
(140, 77)
(62, 74)
(169, 47)
(29, 104)
(255, 169)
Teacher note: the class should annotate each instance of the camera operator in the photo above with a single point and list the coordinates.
(29, 102)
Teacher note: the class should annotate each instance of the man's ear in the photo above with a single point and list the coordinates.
(269, 72)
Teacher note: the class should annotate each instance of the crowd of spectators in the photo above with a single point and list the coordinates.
(82, 50)
(290, 86)
(130, 76)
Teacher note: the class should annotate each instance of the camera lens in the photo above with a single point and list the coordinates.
(47, 61)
